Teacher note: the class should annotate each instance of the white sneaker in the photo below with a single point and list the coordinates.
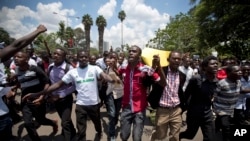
(112, 138)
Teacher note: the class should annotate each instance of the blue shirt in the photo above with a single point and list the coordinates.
(241, 103)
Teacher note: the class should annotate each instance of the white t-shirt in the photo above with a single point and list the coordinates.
(85, 81)
(100, 62)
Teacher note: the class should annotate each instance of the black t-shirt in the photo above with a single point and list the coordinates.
(32, 80)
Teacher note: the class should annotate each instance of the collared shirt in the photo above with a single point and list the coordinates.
(241, 102)
(55, 75)
(36, 58)
(188, 72)
(100, 62)
(226, 96)
(134, 91)
(115, 88)
(170, 97)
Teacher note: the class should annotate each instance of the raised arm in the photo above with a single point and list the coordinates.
(157, 66)
(20, 43)
(47, 49)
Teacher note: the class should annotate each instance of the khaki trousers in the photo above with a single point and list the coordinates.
(167, 118)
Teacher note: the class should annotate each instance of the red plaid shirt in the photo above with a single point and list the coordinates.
(170, 97)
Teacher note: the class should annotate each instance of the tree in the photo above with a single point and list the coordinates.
(79, 37)
(50, 40)
(101, 23)
(122, 16)
(5, 37)
(180, 34)
(223, 25)
(87, 22)
(69, 38)
(65, 34)
(93, 51)
(61, 32)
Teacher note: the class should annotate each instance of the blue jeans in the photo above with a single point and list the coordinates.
(5, 127)
(113, 108)
(127, 118)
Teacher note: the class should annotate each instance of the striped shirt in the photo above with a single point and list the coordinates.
(226, 96)
(170, 97)
(32, 80)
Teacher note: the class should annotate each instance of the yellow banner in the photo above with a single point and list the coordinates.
(148, 53)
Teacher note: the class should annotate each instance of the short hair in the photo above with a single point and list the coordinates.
(172, 52)
(82, 51)
(63, 50)
(26, 55)
(138, 48)
(105, 53)
(224, 61)
(206, 60)
(230, 68)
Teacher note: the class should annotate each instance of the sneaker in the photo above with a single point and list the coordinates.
(55, 126)
(112, 138)
(98, 137)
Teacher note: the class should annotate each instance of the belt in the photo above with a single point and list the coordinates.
(169, 107)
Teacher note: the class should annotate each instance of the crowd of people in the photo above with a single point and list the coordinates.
(213, 95)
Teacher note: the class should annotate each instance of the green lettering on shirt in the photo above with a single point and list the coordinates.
(85, 80)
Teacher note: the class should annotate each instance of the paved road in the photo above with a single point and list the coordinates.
(46, 131)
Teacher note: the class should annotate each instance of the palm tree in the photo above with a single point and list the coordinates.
(79, 38)
(101, 23)
(122, 16)
(61, 32)
(87, 22)
(69, 37)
